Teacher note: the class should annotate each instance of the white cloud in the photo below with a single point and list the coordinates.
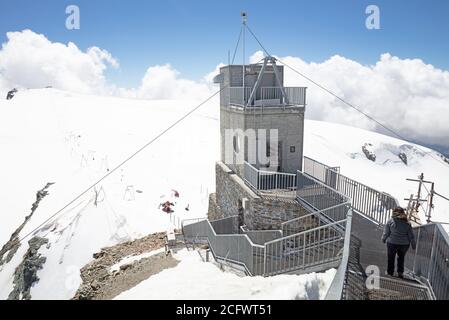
(407, 95)
(30, 60)
(163, 82)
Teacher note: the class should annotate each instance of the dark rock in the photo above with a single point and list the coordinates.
(369, 155)
(125, 266)
(11, 94)
(25, 275)
(13, 244)
(403, 157)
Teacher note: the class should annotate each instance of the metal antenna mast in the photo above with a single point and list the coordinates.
(415, 203)
(244, 19)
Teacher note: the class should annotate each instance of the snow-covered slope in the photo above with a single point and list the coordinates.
(202, 281)
(70, 139)
(339, 145)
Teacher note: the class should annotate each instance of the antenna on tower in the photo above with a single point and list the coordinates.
(244, 20)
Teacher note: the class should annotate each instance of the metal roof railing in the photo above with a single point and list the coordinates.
(265, 96)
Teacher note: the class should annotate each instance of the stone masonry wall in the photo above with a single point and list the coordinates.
(229, 190)
(260, 213)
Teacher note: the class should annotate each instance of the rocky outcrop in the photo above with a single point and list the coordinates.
(11, 94)
(403, 157)
(10, 248)
(368, 153)
(99, 282)
(26, 273)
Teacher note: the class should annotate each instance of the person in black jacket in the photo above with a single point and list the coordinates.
(398, 235)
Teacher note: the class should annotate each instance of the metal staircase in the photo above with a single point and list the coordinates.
(313, 241)
(427, 268)
(329, 235)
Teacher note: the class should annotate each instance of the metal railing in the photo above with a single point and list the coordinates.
(262, 236)
(313, 247)
(317, 194)
(430, 260)
(268, 180)
(315, 219)
(302, 244)
(320, 171)
(335, 291)
(233, 248)
(269, 96)
(317, 246)
(365, 200)
(237, 96)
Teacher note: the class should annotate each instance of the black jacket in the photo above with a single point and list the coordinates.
(399, 231)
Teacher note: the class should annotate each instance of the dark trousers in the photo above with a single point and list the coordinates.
(400, 251)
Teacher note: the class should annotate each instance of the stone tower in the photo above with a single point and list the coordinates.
(253, 104)
(259, 100)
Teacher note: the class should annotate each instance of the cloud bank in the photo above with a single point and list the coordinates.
(408, 95)
(30, 60)
(163, 82)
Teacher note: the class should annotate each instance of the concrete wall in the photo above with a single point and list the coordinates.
(290, 125)
(260, 214)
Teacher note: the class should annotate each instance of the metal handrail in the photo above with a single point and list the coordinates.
(307, 231)
(320, 215)
(336, 288)
(228, 240)
(430, 262)
(230, 260)
(314, 213)
(268, 180)
(348, 199)
(318, 245)
(240, 96)
(365, 200)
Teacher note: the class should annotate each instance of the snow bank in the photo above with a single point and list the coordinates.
(194, 279)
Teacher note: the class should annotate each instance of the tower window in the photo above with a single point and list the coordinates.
(292, 149)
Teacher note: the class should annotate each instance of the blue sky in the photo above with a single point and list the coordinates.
(195, 35)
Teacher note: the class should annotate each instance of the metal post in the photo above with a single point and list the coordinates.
(432, 191)
(432, 251)
(243, 14)
(304, 250)
(416, 251)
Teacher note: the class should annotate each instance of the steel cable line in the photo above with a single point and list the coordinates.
(121, 164)
(237, 45)
(134, 154)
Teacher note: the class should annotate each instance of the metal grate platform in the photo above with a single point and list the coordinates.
(398, 289)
